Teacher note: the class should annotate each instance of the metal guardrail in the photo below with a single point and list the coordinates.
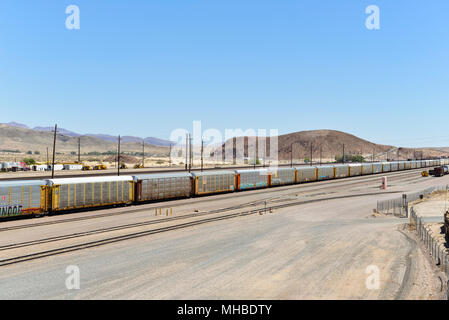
(438, 251)
(400, 206)
(396, 207)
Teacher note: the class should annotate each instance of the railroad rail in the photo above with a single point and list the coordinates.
(134, 235)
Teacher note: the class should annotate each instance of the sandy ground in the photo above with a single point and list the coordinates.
(316, 250)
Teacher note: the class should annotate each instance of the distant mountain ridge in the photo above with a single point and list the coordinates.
(104, 137)
(37, 142)
(329, 144)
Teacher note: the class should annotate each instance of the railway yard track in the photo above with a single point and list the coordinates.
(311, 187)
(97, 243)
(275, 202)
(79, 237)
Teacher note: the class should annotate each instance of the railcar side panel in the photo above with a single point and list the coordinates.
(211, 182)
(377, 167)
(394, 166)
(367, 168)
(20, 197)
(282, 176)
(252, 179)
(151, 187)
(76, 193)
(355, 170)
(386, 167)
(307, 174)
(341, 171)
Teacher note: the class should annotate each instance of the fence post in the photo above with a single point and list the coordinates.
(405, 204)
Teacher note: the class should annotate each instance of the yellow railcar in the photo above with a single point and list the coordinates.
(211, 182)
(77, 193)
(307, 174)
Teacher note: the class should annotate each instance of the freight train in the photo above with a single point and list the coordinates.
(40, 197)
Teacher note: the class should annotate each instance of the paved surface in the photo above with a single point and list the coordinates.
(317, 250)
(433, 207)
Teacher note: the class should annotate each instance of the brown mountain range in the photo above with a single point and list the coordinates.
(328, 144)
(25, 140)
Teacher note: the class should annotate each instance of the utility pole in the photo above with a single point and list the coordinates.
(118, 157)
(374, 151)
(169, 156)
(264, 151)
(255, 155)
(245, 150)
(143, 153)
(311, 154)
(47, 158)
(187, 150)
(291, 155)
(202, 149)
(321, 154)
(344, 157)
(54, 153)
(234, 150)
(79, 150)
(190, 153)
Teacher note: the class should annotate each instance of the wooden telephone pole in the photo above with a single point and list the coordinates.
(54, 153)
(143, 153)
(202, 150)
(79, 150)
(118, 157)
(187, 150)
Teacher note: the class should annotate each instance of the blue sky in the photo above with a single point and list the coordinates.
(147, 67)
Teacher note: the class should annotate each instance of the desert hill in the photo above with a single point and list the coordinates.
(25, 140)
(105, 137)
(328, 144)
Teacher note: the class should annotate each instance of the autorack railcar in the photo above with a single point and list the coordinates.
(341, 170)
(394, 166)
(281, 176)
(76, 193)
(21, 197)
(306, 174)
(367, 168)
(210, 182)
(160, 186)
(355, 169)
(386, 167)
(252, 179)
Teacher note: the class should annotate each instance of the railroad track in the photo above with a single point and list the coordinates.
(134, 235)
(139, 171)
(325, 184)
